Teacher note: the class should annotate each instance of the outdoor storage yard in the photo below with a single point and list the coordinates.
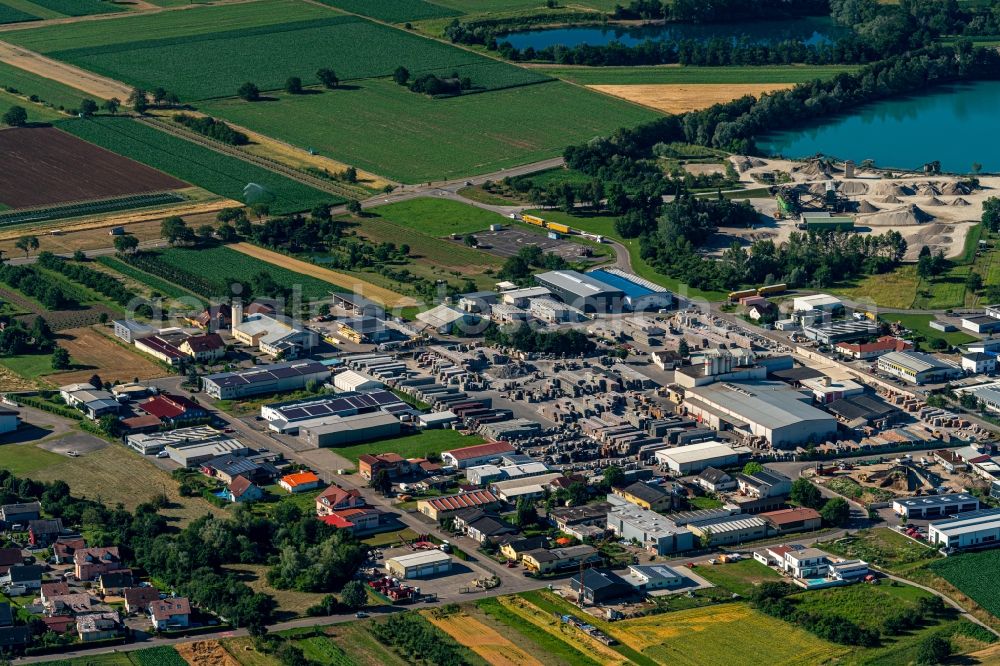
(46, 166)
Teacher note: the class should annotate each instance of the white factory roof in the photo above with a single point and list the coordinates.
(769, 404)
(729, 524)
(815, 302)
(701, 451)
(915, 361)
(827, 385)
(510, 485)
(421, 558)
(326, 425)
(576, 283)
(442, 316)
(934, 500)
(649, 522)
(352, 379)
(965, 523)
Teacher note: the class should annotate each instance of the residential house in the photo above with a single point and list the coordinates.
(646, 496)
(481, 526)
(806, 563)
(64, 549)
(137, 599)
(542, 561)
(9, 557)
(68, 393)
(98, 626)
(89, 563)
(214, 318)
(515, 548)
(115, 582)
(713, 480)
(228, 466)
(56, 589)
(44, 533)
(764, 483)
(242, 490)
(394, 465)
(336, 498)
(174, 409)
(170, 613)
(93, 402)
(599, 586)
(71, 604)
(24, 575)
(358, 519)
(300, 482)
(571, 519)
(11, 514)
(869, 350)
(206, 348)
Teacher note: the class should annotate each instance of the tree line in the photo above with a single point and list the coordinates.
(99, 281)
(213, 129)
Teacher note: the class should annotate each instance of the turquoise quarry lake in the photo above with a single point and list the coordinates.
(955, 124)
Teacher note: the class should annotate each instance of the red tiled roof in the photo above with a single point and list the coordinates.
(203, 343)
(335, 494)
(463, 500)
(168, 406)
(58, 623)
(786, 516)
(167, 608)
(300, 479)
(144, 421)
(336, 521)
(240, 485)
(159, 344)
(109, 554)
(886, 343)
(487, 449)
(141, 597)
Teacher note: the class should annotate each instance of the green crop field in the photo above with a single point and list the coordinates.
(197, 64)
(497, 6)
(157, 656)
(967, 573)
(218, 264)
(393, 11)
(51, 92)
(162, 25)
(221, 174)
(159, 285)
(47, 8)
(438, 217)
(433, 139)
(671, 74)
(10, 14)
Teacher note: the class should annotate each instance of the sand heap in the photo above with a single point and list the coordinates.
(864, 207)
(904, 216)
(892, 199)
(889, 188)
(934, 201)
(928, 190)
(817, 188)
(815, 169)
(853, 188)
(960, 202)
(746, 163)
(954, 188)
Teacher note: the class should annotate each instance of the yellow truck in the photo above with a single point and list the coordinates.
(555, 226)
(531, 219)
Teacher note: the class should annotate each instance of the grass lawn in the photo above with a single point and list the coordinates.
(703, 502)
(865, 605)
(391, 538)
(291, 603)
(28, 366)
(672, 74)
(37, 113)
(883, 547)
(26, 459)
(424, 444)
(383, 128)
(438, 217)
(739, 577)
(920, 323)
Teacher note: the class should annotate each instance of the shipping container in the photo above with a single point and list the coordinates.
(531, 219)
(737, 295)
(772, 289)
(555, 226)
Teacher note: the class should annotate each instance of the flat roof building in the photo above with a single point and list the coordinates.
(275, 378)
(287, 417)
(582, 291)
(933, 506)
(816, 302)
(423, 564)
(693, 458)
(731, 529)
(917, 367)
(768, 410)
(656, 533)
(977, 529)
(640, 294)
(343, 430)
(832, 333)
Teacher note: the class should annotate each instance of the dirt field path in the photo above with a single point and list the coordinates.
(680, 98)
(483, 640)
(93, 84)
(388, 298)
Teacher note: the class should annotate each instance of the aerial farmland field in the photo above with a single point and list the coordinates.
(197, 64)
(46, 166)
(221, 174)
(393, 11)
(382, 127)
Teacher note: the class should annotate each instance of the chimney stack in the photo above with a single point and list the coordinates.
(237, 313)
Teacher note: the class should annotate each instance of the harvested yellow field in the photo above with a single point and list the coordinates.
(388, 298)
(719, 635)
(11, 382)
(681, 98)
(483, 640)
(552, 626)
(205, 653)
(94, 349)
